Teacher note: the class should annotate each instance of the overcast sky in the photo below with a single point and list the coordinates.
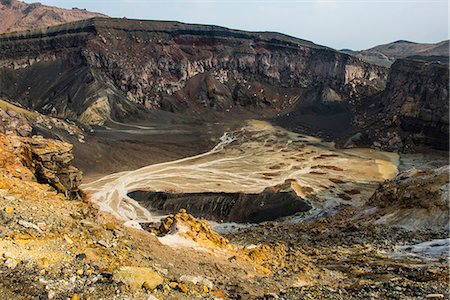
(354, 24)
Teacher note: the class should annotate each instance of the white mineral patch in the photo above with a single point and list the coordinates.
(176, 238)
(434, 248)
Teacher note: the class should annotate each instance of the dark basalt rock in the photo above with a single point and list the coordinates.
(99, 69)
(228, 207)
(413, 110)
(204, 72)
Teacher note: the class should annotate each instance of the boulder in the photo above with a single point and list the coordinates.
(136, 277)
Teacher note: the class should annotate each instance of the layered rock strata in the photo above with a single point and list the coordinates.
(413, 110)
(123, 68)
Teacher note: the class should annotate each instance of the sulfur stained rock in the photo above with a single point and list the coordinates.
(179, 287)
(9, 210)
(136, 277)
(182, 288)
(173, 285)
(218, 294)
(40, 160)
(199, 230)
(149, 286)
(44, 262)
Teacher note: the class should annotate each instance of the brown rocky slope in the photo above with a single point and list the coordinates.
(100, 69)
(414, 199)
(17, 15)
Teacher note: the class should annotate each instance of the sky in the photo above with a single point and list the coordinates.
(352, 24)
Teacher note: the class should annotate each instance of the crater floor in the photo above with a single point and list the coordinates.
(249, 160)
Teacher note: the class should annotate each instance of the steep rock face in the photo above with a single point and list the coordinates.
(413, 110)
(196, 69)
(229, 207)
(16, 15)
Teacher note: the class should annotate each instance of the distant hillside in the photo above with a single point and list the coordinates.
(386, 54)
(16, 15)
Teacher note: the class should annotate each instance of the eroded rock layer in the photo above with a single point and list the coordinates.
(231, 207)
(43, 160)
(413, 110)
(100, 68)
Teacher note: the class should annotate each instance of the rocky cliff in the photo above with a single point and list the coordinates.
(52, 164)
(17, 15)
(101, 68)
(413, 110)
(227, 207)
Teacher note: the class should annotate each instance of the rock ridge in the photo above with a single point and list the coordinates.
(199, 71)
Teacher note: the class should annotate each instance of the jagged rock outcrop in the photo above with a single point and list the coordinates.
(17, 15)
(100, 68)
(51, 161)
(188, 226)
(413, 110)
(42, 160)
